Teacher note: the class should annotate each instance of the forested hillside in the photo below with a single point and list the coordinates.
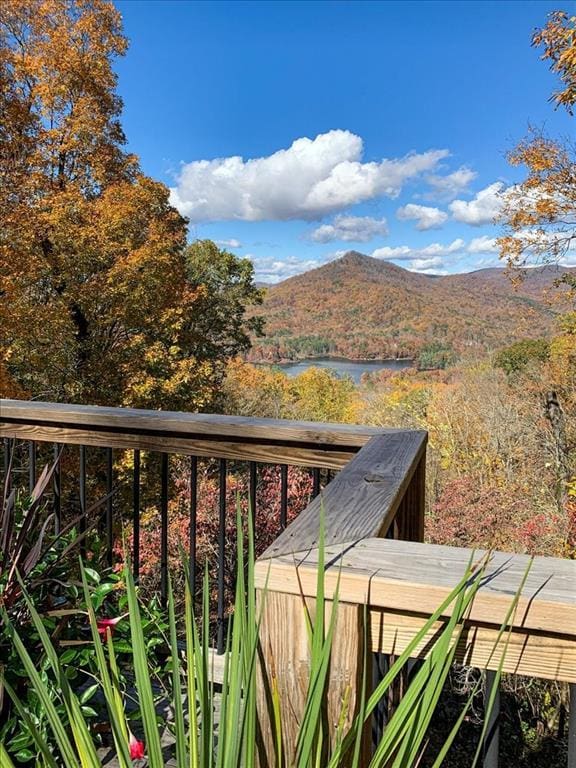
(361, 307)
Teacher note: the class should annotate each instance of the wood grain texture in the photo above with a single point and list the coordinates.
(319, 456)
(285, 662)
(213, 426)
(408, 524)
(363, 499)
(416, 578)
(531, 653)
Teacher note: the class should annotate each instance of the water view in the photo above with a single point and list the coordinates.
(352, 368)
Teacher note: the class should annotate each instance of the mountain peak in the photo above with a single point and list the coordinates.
(358, 306)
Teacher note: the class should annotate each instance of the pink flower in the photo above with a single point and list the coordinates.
(107, 625)
(136, 747)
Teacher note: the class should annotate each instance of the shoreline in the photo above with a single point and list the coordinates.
(285, 361)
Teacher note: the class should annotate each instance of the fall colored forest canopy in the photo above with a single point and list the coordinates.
(102, 299)
(363, 308)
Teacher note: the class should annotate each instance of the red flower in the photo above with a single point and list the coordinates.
(136, 747)
(105, 625)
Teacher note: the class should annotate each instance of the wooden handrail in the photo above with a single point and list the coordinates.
(232, 437)
(362, 501)
(398, 586)
(412, 579)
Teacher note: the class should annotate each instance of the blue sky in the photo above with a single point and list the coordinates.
(294, 131)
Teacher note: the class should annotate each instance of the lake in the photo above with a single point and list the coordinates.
(352, 368)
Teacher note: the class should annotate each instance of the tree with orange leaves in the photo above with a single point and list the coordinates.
(559, 40)
(101, 301)
(539, 215)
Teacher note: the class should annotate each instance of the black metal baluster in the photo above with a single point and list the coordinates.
(283, 495)
(57, 490)
(164, 531)
(253, 483)
(315, 482)
(380, 666)
(490, 748)
(193, 520)
(329, 475)
(82, 497)
(109, 510)
(221, 554)
(7, 465)
(572, 728)
(136, 516)
(31, 465)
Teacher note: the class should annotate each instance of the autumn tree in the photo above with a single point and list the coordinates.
(539, 214)
(558, 38)
(539, 219)
(101, 301)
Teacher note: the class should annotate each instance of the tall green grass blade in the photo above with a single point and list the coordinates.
(177, 703)
(5, 761)
(143, 683)
(191, 675)
(207, 693)
(250, 649)
(404, 735)
(109, 683)
(82, 738)
(443, 656)
(310, 735)
(508, 621)
(39, 740)
(67, 751)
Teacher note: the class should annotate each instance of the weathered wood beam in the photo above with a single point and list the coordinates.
(403, 583)
(285, 664)
(176, 423)
(364, 498)
(311, 444)
(188, 446)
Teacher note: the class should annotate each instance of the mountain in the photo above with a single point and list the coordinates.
(360, 307)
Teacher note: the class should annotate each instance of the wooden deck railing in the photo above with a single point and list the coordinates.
(94, 435)
(401, 583)
(374, 520)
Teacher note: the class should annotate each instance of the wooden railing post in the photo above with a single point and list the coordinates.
(284, 668)
(409, 521)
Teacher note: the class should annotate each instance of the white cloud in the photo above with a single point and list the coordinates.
(483, 244)
(483, 209)
(310, 179)
(271, 270)
(426, 265)
(435, 261)
(453, 184)
(232, 243)
(351, 229)
(427, 217)
(407, 253)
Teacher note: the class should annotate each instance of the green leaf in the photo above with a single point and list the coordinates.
(20, 741)
(92, 574)
(88, 693)
(68, 656)
(122, 646)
